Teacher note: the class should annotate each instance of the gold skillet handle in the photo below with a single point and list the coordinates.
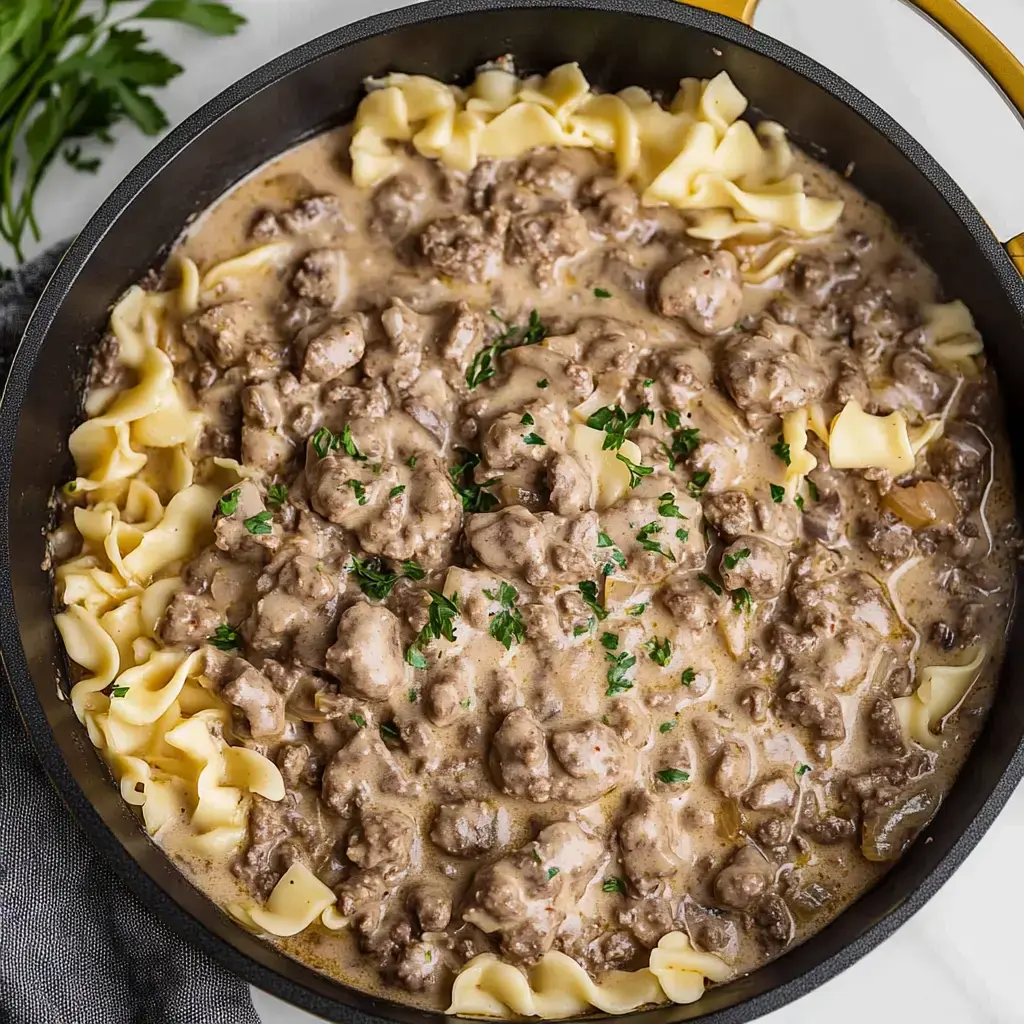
(1002, 66)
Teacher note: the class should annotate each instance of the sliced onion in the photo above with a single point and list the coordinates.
(928, 503)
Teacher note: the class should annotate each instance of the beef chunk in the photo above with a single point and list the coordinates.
(884, 727)
(252, 693)
(823, 519)
(889, 539)
(329, 348)
(520, 757)
(543, 239)
(731, 513)
(709, 929)
(744, 880)
(705, 291)
(470, 828)
(691, 602)
(466, 246)
(367, 658)
(776, 794)
(322, 277)
(382, 841)
(190, 619)
(815, 709)
(732, 774)
(757, 565)
(224, 333)
(649, 919)
(396, 205)
(647, 837)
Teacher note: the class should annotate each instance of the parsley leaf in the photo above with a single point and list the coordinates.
(741, 600)
(668, 507)
(413, 695)
(602, 293)
(259, 524)
(666, 726)
(534, 439)
(614, 885)
(413, 570)
(604, 541)
(358, 490)
(617, 681)
(802, 769)
(709, 582)
(527, 420)
(411, 462)
(732, 560)
(698, 481)
(588, 589)
(415, 658)
(484, 363)
(551, 873)
(389, 731)
(324, 442)
(781, 449)
(225, 638)
(613, 420)
(358, 719)
(644, 540)
(475, 497)
(684, 440)
(609, 641)
(812, 490)
(688, 676)
(396, 491)
(508, 624)
(683, 534)
(670, 775)
(671, 418)
(659, 650)
(799, 502)
(542, 383)
(636, 472)
(636, 610)
(227, 505)
(374, 581)
(778, 493)
(277, 495)
(119, 691)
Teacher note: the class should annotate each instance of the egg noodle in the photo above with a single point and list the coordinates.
(143, 507)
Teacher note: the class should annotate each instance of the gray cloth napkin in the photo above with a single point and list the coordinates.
(76, 947)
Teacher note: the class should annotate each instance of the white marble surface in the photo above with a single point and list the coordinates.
(956, 960)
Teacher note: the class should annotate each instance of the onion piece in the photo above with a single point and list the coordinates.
(927, 503)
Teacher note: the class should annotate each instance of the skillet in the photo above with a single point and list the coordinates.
(618, 42)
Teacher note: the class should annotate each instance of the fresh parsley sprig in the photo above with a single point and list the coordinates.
(484, 364)
(616, 424)
(507, 626)
(475, 497)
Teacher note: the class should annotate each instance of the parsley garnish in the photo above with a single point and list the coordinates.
(617, 681)
(602, 293)
(119, 691)
(542, 383)
(684, 440)
(475, 497)
(778, 493)
(396, 491)
(741, 600)
(671, 418)
(551, 873)
(465, 702)
(374, 581)
(683, 534)
(698, 481)
(413, 570)
(644, 540)
(508, 624)
(277, 495)
(536, 856)
(389, 731)
(812, 490)
(709, 582)
(588, 588)
(636, 473)
(225, 638)
(670, 775)
(324, 442)
(636, 610)
(358, 490)
(604, 541)
(666, 726)
(609, 641)
(802, 769)
(229, 503)
(413, 695)
(799, 502)
(411, 462)
(616, 424)
(358, 719)
(440, 623)
(733, 559)
(527, 420)
(259, 524)
(659, 650)
(781, 449)
(415, 658)
(484, 362)
(668, 507)
(534, 439)
(688, 676)
(614, 885)
(583, 630)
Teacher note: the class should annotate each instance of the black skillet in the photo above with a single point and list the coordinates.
(618, 42)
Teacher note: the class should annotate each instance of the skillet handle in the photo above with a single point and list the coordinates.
(996, 59)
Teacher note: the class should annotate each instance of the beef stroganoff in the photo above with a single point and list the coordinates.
(536, 550)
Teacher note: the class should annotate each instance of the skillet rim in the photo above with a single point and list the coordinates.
(351, 1004)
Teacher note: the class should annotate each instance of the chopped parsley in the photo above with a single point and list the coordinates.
(812, 490)
(781, 449)
(358, 490)
(698, 481)
(551, 873)
(588, 589)
(732, 560)
(613, 420)
(119, 691)
(609, 641)
(396, 491)
(358, 719)
(534, 439)
(802, 769)
(709, 582)
(373, 579)
(413, 695)
(527, 420)
(440, 623)
(683, 534)
(666, 726)
(648, 383)
(604, 541)
(614, 885)
(411, 462)
(325, 442)
(636, 610)
(644, 540)
(229, 503)
(277, 495)
(484, 363)
(415, 658)
(259, 524)
(583, 630)
(508, 624)
(688, 676)
(617, 681)
(684, 439)
(667, 506)
(475, 497)
(659, 650)
(670, 775)
(741, 600)
(602, 293)
(778, 493)
(465, 702)
(671, 418)
(225, 638)
(542, 383)
(799, 502)
(636, 472)
(413, 570)
(389, 731)
(536, 856)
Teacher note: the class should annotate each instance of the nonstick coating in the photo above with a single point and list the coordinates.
(618, 43)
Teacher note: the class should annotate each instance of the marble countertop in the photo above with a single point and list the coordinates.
(956, 960)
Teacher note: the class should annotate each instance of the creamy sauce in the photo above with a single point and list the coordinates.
(707, 784)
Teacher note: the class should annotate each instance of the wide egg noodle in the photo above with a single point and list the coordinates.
(559, 987)
(859, 440)
(696, 156)
(295, 902)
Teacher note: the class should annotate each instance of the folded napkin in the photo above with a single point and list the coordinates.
(76, 947)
